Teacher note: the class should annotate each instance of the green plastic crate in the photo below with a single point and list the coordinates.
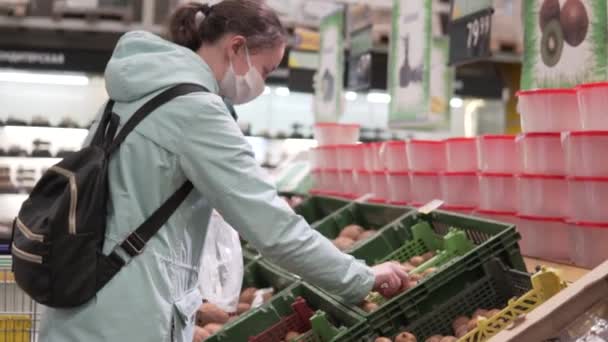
(492, 239)
(315, 209)
(366, 215)
(257, 321)
(491, 291)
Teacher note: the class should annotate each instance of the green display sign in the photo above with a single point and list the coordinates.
(409, 59)
(329, 81)
(565, 43)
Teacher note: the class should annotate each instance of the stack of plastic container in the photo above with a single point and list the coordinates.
(459, 182)
(335, 159)
(426, 159)
(587, 170)
(542, 185)
(396, 161)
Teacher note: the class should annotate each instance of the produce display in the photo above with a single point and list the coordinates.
(352, 234)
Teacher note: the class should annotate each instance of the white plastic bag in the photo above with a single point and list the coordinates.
(221, 273)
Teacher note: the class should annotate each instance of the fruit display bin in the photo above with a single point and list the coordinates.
(397, 242)
(585, 153)
(426, 155)
(593, 101)
(328, 134)
(498, 192)
(542, 153)
(366, 215)
(542, 195)
(316, 208)
(461, 154)
(498, 154)
(513, 292)
(589, 240)
(380, 187)
(588, 199)
(272, 321)
(400, 192)
(549, 110)
(395, 156)
(425, 187)
(349, 157)
(547, 238)
(460, 189)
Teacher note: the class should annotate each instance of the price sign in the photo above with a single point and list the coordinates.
(470, 37)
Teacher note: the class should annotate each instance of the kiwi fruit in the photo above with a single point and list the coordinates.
(449, 339)
(369, 307)
(247, 295)
(292, 335)
(480, 313)
(352, 232)
(472, 325)
(343, 243)
(435, 338)
(461, 331)
(574, 21)
(417, 261)
(213, 328)
(242, 308)
(428, 256)
(210, 313)
(405, 337)
(200, 334)
(552, 43)
(383, 339)
(415, 277)
(429, 271)
(549, 10)
(367, 234)
(493, 313)
(459, 321)
(408, 267)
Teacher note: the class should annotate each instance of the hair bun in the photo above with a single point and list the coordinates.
(206, 9)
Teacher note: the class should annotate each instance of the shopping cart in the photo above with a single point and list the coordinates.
(19, 314)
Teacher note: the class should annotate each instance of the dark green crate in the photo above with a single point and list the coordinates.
(492, 239)
(366, 215)
(315, 209)
(257, 321)
(493, 290)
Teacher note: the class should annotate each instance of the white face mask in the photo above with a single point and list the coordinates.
(242, 88)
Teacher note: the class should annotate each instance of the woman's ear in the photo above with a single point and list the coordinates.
(236, 42)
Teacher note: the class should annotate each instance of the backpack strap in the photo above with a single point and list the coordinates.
(135, 243)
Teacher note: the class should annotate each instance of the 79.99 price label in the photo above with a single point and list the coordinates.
(470, 37)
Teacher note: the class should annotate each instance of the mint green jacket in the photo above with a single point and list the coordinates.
(155, 297)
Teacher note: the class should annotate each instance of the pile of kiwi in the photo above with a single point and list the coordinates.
(352, 234)
(558, 24)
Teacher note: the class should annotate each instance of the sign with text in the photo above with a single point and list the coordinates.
(470, 37)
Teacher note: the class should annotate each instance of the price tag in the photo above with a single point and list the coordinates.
(470, 37)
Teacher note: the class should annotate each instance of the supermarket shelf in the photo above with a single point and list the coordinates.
(568, 273)
(37, 23)
(45, 128)
(29, 160)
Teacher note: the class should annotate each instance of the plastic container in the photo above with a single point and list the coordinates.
(380, 187)
(336, 134)
(400, 192)
(498, 216)
(332, 181)
(586, 154)
(593, 101)
(373, 158)
(498, 154)
(542, 153)
(348, 183)
(349, 157)
(318, 180)
(364, 183)
(542, 195)
(460, 189)
(590, 241)
(461, 154)
(329, 157)
(547, 238)
(397, 242)
(549, 110)
(395, 156)
(588, 199)
(498, 192)
(426, 155)
(425, 186)
(316, 208)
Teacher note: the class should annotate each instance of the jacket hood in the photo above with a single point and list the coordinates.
(144, 63)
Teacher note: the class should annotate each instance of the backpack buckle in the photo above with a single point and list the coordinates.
(133, 245)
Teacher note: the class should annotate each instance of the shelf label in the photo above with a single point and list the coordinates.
(470, 37)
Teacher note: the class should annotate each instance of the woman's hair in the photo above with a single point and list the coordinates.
(193, 24)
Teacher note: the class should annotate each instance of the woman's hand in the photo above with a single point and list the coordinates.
(391, 279)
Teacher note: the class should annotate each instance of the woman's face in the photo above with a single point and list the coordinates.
(264, 60)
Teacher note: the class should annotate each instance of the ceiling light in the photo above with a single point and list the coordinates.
(456, 102)
(351, 96)
(43, 78)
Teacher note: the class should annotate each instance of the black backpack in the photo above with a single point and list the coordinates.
(59, 233)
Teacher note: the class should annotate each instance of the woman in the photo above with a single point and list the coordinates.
(230, 49)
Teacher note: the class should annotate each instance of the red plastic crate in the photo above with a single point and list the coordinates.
(298, 322)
